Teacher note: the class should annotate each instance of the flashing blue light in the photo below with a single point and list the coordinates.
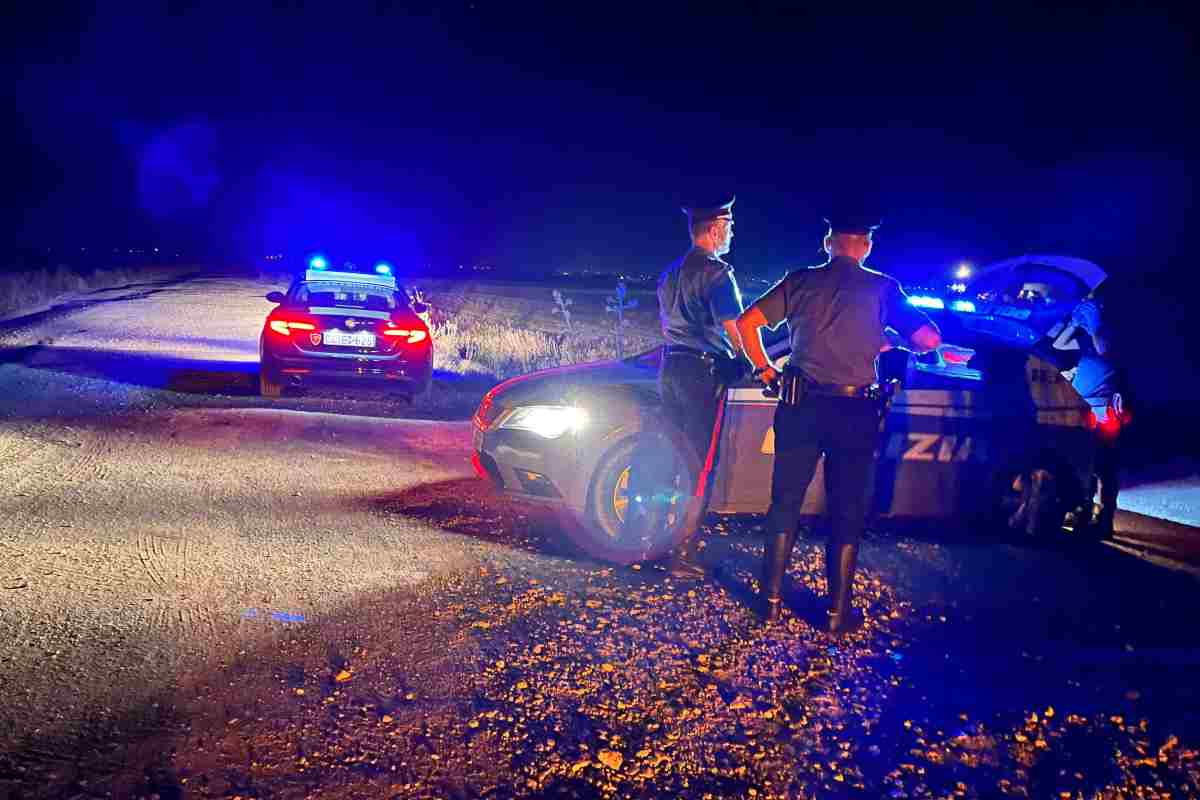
(383, 268)
(925, 301)
(963, 305)
(317, 262)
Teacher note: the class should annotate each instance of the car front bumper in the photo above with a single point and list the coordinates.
(524, 465)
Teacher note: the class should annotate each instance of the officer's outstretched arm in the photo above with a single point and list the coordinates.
(926, 338)
(749, 325)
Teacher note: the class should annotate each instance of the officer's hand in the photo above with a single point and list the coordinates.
(768, 376)
(1087, 316)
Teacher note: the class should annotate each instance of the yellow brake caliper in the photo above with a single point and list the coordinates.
(620, 495)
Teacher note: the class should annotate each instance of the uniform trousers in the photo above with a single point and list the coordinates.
(691, 387)
(846, 430)
(1107, 469)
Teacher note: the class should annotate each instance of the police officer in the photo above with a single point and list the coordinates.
(837, 314)
(698, 303)
(1099, 382)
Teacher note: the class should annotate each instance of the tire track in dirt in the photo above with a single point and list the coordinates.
(185, 602)
(24, 458)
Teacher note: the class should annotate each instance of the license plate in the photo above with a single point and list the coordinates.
(343, 339)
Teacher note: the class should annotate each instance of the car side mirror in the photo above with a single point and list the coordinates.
(276, 297)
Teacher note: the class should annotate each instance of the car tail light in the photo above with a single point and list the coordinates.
(1112, 423)
(284, 325)
(412, 334)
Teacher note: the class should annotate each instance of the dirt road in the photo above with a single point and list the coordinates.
(148, 531)
(205, 594)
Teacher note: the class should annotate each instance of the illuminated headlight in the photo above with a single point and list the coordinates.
(548, 421)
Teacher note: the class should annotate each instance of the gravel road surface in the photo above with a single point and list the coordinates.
(204, 594)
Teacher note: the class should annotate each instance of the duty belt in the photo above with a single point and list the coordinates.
(683, 350)
(794, 387)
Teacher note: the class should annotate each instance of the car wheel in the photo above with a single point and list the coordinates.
(269, 385)
(608, 532)
(1041, 503)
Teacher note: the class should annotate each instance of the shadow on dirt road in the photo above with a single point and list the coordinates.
(453, 396)
(466, 506)
(187, 375)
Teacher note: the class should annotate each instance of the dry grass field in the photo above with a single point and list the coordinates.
(509, 329)
(481, 328)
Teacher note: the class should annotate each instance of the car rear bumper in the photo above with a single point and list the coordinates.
(404, 374)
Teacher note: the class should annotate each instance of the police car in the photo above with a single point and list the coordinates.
(345, 326)
(967, 420)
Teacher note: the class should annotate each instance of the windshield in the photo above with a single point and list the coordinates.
(336, 294)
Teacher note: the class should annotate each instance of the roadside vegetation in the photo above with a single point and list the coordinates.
(493, 329)
(482, 330)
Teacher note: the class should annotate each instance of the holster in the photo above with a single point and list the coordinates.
(883, 394)
(792, 388)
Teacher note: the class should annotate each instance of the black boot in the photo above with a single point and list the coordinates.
(685, 560)
(840, 562)
(777, 555)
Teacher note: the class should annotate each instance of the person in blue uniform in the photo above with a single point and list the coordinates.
(1099, 382)
(837, 314)
(698, 302)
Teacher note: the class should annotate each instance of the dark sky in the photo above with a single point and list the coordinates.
(556, 135)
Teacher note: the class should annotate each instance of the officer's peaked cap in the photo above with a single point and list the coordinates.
(697, 214)
(853, 224)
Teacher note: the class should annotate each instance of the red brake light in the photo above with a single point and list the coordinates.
(284, 326)
(411, 335)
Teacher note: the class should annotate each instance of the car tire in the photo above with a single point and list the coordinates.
(602, 534)
(1047, 509)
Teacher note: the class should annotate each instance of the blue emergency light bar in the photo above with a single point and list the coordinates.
(926, 301)
(317, 262)
(963, 305)
(383, 268)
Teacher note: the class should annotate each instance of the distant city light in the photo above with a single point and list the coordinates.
(963, 305)
(963, 272)
(926, 301)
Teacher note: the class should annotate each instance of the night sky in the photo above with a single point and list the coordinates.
(550, 135)
(566, 136)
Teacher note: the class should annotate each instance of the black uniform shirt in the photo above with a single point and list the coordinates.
(695, 295)
(837, 313)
